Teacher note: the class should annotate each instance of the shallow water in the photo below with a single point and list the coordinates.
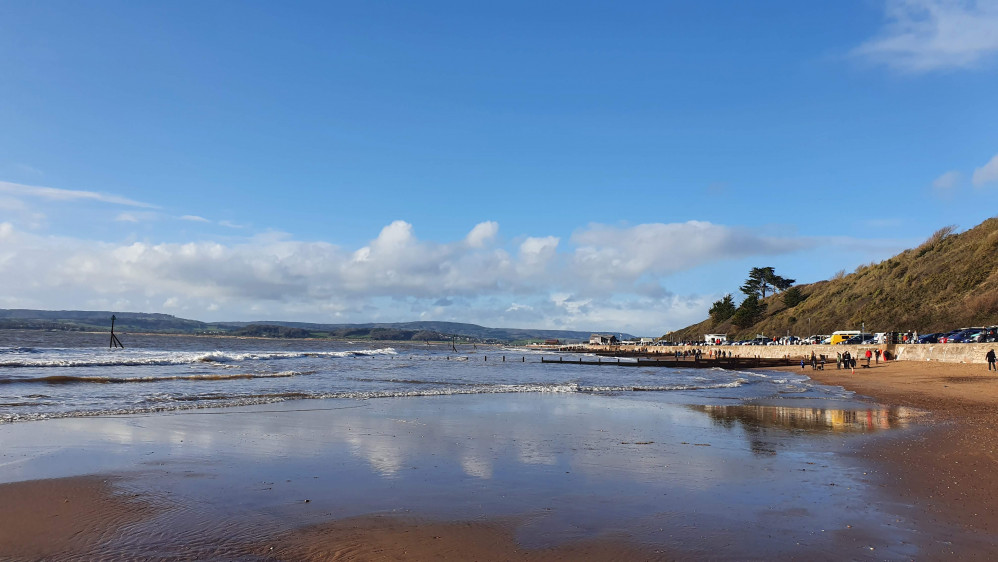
(229, 437)
(68, 374)
(711, 481)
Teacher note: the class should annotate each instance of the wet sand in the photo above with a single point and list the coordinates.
(951, 470)
(393, 538)
(62, 517)
(507, 477)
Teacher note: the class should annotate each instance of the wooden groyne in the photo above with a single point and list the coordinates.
(686, 362)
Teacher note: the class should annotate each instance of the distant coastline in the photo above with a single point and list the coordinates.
(160, 324)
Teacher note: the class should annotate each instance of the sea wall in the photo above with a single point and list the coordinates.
(943, 352)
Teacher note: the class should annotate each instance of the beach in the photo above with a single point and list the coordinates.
(951, 471)
(546, 462)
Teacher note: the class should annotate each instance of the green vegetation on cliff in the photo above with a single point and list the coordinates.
(949, 281)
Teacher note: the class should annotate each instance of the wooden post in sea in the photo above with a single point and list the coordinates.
(115, 342)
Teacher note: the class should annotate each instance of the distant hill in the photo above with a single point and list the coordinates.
(949, 281)
(165, 323)
(473, 331)
(97, 320)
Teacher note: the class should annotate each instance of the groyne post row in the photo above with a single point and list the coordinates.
(942, 352)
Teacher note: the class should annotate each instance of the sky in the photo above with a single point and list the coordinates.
(595, 166)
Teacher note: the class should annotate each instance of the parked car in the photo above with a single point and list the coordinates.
(958, 336)
(862, 339)
(929, 338)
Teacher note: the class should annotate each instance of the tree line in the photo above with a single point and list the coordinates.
(761, 280)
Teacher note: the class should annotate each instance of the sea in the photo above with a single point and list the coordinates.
(58, 374)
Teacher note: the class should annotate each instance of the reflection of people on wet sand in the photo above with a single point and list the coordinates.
(991, 360)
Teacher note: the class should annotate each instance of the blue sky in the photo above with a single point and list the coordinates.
(592, 166)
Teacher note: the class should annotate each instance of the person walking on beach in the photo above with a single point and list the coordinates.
(869, 355)
(876, 354)
(991, 360)
(838, 359)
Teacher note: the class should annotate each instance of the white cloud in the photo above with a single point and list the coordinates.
(12, 204)
(482, 234)
(194, 218)
(54, 194)
(535, 253)
(947, 181)
(610, 256)
(927, 35)
(611, 279)
(126, 217)
(987, 173)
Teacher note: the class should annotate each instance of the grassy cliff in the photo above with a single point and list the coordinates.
(948, 282)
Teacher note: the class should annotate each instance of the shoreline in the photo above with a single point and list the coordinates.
(950, 468)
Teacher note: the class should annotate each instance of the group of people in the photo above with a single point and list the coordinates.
(849, 362)
(845, 359)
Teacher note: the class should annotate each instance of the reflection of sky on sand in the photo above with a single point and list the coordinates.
(581, 464)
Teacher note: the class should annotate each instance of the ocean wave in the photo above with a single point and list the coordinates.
(143, 358)
(665, 388)
(169, 403)
(19, 350)
(72, 379)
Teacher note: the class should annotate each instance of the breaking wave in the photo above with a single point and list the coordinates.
(167, 403)
(73, 379)
(115, 359)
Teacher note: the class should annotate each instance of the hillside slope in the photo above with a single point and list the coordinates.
(948, 282)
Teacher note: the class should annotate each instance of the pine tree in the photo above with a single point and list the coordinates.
(793, 296)
(722, 309)
(762, 279)
(748, 312)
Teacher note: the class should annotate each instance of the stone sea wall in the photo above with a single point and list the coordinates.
(943, 352)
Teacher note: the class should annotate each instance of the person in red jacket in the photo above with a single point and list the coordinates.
(869, 355)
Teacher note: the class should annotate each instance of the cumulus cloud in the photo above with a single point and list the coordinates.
(55, 194)
(482, 234)
(610, 256)
(608, 277)
(987, 173)
(927, 35)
